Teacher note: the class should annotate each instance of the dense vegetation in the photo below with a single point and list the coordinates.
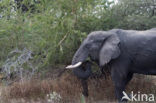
(38, 34)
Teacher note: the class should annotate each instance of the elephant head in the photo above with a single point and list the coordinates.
(99, 46)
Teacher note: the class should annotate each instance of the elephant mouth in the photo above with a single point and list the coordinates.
(74, 66)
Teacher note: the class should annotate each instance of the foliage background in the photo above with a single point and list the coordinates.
(53, 29)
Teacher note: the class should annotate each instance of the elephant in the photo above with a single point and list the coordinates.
(125, 51)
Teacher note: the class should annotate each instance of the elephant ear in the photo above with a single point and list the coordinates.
(109, 50)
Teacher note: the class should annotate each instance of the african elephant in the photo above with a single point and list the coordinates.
(125, 51)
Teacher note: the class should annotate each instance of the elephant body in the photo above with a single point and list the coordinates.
(138, 50)
(125, 51)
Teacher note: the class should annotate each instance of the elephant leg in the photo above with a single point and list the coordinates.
(119, 94)
(129, 77)
(119, 80)
(84, 87)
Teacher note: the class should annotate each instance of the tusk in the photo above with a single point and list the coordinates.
(74, 66)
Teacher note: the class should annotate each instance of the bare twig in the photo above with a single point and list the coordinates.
(61, 41)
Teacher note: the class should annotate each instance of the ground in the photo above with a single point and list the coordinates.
(64, 87)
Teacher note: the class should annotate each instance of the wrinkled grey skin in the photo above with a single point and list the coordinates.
(125, 51)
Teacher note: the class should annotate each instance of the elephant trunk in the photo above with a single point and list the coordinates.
(81, 67)
(84, 71)
(80, 55)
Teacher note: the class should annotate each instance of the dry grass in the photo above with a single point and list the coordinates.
(68, 86)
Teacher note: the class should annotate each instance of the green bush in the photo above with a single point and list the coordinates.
(53, 30)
